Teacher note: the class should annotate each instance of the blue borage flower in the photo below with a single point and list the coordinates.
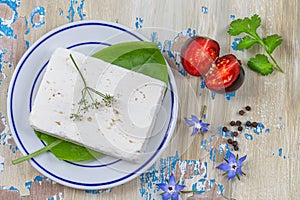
(198, 125)
(233, 166)
(171, 189)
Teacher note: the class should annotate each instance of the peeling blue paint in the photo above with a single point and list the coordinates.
(235, 43)
(204, 10)
(156, 174)
(248, 136)
(58, 196)
(202, 84)
(39, 179)
(40, 12)
(139, 22)
(154, 37)
(12, 188)
(61, 12)
(28, 185)
(280, 152)
(2, 75)
(93, 191)
(216, 150)
(201, 186)
(5, 29)
(27, 44)
(213, 95)
(259, 129)
(71, 11)
(228, 96)
(80, 10)
(232, 17)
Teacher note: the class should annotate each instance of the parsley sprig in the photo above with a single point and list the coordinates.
(83, 104)
(260, 63)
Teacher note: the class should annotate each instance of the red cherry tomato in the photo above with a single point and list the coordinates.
(223, 73)
(197, 55)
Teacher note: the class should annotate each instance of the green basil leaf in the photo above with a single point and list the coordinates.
(67, 150)
(140, 56)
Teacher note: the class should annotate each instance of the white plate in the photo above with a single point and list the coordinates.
(86, 37)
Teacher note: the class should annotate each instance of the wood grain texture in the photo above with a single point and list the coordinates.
(275, 99)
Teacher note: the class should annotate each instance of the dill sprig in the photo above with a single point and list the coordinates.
(83, 104)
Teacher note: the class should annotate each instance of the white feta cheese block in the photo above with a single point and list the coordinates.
(122, 130)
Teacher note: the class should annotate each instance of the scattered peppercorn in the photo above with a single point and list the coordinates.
(248, 123)
(241, 112)
(234, 143)
(235, 134)
(248, 108)
(254, 124)
(224, 129)
(238, 123)
(229, 141)
(232, 123)
(236, 148)
(240, 128)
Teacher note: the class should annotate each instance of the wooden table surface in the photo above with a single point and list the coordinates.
(273, 152)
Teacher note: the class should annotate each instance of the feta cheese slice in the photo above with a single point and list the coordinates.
(122, 130)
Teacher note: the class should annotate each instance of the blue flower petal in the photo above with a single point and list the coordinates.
(224, 166)
(178, 188)
(232, 158)
(242, 159)
(204, 124)
(239, 171)
(204, 129)
(172, 180)
(189, 122)
(195, 119)
(163, 186)
(166, 196)
(231, 174)
(195, 131)
(175, 196)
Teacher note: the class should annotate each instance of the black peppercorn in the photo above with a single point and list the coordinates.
(224, 129)
(240, 128)
(248, 123)
(234, 143)
(238, 123)
(254, 124)
(241, 112)
(229, 141)
(232, 123)
(248, 108)
(235, 134)
(236, 148)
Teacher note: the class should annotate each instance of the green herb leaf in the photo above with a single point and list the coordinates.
(246, 25)
(62, 149)
(272, 42)
(269, 43)
(261, 64)
(142, 57)
(67, 150)
(246, 43)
